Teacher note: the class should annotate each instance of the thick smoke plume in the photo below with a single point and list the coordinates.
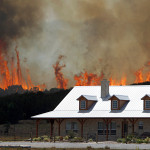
(18, 18)
(97, 36)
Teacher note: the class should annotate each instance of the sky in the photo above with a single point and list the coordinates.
(96, 36)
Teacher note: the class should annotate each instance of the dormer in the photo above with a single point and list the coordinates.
(146, 102)
(118, 101)
(86, 101)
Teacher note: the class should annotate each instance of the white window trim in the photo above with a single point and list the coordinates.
(146, 105)
(113, 105)
(81, 104)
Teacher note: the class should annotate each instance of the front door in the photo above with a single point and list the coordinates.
(124, 128)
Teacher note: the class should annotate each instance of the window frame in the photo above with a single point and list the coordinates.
(113, 130)
(113, 104)
(81, 104)
(146, 104)
(103, 130)
(73, 127)
(140, 125)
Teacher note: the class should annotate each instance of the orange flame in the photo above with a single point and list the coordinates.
(85, 79)
(116, 82)
(139, 76)
(61, 81)
(14, 75)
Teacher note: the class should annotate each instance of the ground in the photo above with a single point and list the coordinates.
(106, 145)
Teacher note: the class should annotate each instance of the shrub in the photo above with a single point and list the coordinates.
(146, 140)
(139, 141)
(44, 136)
(119, 140)
(66, 137)
(77, 139)
(71, 134)
(46, 139)
(90, 140)
(56, 138)
(37, 139)
(61, 138)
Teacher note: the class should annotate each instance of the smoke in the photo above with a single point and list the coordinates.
(18, 18)
(97, 36)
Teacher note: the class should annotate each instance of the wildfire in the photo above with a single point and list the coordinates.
(85, 79)
(13, 76)
(116, 82)
(91, 79)
(61, 81)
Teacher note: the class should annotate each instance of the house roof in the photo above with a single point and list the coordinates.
(121, 97)
(69, 106)
(89, 97)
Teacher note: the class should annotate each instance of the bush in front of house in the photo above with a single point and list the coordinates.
(72, 134)
(90, 140)
(121, 140)
(66, 138)
(46, 139)
(77, 139)
(139, 141)
(37, 139)
(133, 139)
(146, 140)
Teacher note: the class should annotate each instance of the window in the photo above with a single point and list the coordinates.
(114, 104)
(147, 104)
(113, 128)
(140, 124)
(102, 129)
(83, 104)
(71, 126)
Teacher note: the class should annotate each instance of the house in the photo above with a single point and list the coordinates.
(111, 112)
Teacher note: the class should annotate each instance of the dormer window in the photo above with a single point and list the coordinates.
(86, 101)
(147, 104)
(114, 104)
(83, 104)
(118, 101)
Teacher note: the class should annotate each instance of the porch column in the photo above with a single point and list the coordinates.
(82, 121)
(59, 121)
(52, 126)
(133, 121)
(107, 122)
(37, 126)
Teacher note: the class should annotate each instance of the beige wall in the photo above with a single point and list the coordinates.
(91, 127)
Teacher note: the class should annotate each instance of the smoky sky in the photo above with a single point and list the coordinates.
(98, 35)
(18, 18)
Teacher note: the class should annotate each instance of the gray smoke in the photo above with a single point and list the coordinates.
(98, 35)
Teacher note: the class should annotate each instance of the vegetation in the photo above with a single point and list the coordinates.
(22, 106)
(133, 139)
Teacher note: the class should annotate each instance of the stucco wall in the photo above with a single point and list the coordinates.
(90, 128)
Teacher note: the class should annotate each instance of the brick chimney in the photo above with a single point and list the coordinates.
(104, 88)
